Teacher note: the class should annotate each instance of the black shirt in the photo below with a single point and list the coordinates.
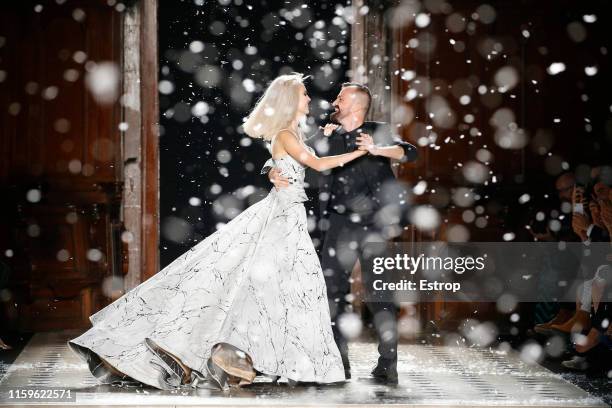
(365, 184)
(350, 192)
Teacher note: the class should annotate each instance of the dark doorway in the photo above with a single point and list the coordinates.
(215, 60)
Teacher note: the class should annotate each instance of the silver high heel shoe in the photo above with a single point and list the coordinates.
(217, 376)
(170, 362)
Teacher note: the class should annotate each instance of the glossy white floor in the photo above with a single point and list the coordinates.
(429, 376)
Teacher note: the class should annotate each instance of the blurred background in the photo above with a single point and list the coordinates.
(215, 61)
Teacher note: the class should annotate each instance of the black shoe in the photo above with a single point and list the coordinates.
(347, 365)
(385, 374)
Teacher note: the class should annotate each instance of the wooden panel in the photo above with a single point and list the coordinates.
(150, 139)
(63, 145)
(58, 121)
(441, 168)
(537, 100)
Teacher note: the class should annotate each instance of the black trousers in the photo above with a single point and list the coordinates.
(342, 247)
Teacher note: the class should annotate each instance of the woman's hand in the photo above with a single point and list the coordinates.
(329, 128)
(366, 143)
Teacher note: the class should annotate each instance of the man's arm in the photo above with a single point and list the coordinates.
(274, 175)
(390, 145)
(410, 152)
(391, 152)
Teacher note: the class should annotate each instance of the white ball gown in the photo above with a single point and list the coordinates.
(255, 284)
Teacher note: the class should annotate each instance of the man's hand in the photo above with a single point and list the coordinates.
(329, 128)
(275, 178)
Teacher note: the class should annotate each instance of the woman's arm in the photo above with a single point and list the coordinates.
(297, 150)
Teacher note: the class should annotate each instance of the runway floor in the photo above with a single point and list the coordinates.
(429, 376)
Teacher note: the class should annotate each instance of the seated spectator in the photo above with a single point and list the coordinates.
(565, 187)
(599, 337)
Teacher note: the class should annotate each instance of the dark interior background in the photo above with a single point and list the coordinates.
(215, 60)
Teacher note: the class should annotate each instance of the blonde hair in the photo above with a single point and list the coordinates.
(276, 109)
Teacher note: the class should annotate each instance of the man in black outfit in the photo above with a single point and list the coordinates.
(363, 202)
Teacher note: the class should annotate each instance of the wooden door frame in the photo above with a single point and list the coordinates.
(141, 141)
(373, 46)
(150, 139)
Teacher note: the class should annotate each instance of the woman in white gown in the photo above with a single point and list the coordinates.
(248, 299)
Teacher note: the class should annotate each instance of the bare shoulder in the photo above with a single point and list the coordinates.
(286, 136)
(282, 139)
